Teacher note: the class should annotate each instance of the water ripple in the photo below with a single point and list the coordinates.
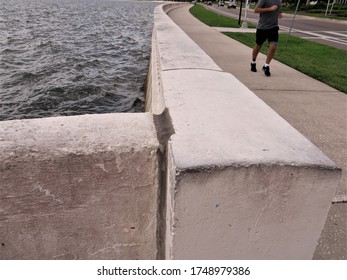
(73, 57)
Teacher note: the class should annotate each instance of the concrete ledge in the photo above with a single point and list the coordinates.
(222, 123)
(172, 49)
(83, 187)
(241, 182)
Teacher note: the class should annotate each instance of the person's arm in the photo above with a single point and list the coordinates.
(259, 10)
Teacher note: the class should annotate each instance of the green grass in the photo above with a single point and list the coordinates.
(324, 63)
(213, 19)
(339, 11)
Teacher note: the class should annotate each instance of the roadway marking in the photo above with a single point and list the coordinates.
(337, 33)
(325, 37)
(316, 35)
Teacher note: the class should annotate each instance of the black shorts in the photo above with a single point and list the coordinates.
(267, 34)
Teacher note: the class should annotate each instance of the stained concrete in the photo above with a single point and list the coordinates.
(82, 187)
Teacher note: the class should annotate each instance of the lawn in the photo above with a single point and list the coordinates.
(213, 19)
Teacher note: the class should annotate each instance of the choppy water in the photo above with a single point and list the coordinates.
(70, 57)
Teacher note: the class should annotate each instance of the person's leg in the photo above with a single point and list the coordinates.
(271, 52)
(273, 39)
(255, 52)
(260, 39)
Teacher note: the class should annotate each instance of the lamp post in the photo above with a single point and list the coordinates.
(244, 23)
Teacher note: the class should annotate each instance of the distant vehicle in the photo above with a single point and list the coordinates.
(221, 4)
(232, 5)
(209, 3)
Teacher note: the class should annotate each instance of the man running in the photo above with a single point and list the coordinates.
(267, 29)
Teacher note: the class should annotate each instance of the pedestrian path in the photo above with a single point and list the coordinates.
(318, 111)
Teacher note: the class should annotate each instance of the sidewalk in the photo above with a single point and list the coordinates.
(318, 111)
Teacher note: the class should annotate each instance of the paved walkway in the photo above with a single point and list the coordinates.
(316, 110)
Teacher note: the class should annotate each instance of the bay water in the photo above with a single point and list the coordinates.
(73, 57)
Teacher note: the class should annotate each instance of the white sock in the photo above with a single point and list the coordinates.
(253, 62)
(266, 65)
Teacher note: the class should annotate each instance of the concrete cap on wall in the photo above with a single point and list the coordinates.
(223, 123)
(78, 134)
(182, 53)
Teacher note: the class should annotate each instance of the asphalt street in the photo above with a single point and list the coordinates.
(329, 32)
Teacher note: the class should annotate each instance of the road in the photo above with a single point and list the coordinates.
(325, 31)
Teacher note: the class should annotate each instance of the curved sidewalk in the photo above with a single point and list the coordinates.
(318, 111)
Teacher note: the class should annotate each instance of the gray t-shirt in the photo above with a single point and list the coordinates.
(270, 19)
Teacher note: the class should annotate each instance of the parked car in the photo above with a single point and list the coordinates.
(221, 4)
(209, 3)
(232, 5)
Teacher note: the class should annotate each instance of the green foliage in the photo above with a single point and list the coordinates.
(324, 63)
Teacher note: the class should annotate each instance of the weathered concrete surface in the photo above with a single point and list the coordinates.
(224, 124)
(154, 91)
(318, 111)
(164, 49)
(247, 184)
(255, 212)
(239, 176)
(83, 187)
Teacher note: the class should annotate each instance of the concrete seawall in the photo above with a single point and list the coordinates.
(241, 182)
(209, 172)
(82, 187)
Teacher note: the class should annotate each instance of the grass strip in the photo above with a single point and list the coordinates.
(213, 19)
(324, 63)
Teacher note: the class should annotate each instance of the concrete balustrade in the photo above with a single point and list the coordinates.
(242, 183)
(210, 172)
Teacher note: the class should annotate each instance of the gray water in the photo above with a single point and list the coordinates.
(73, 57)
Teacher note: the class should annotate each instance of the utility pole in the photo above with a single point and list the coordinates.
(291, 27)
(240, 13)
(326, 11)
